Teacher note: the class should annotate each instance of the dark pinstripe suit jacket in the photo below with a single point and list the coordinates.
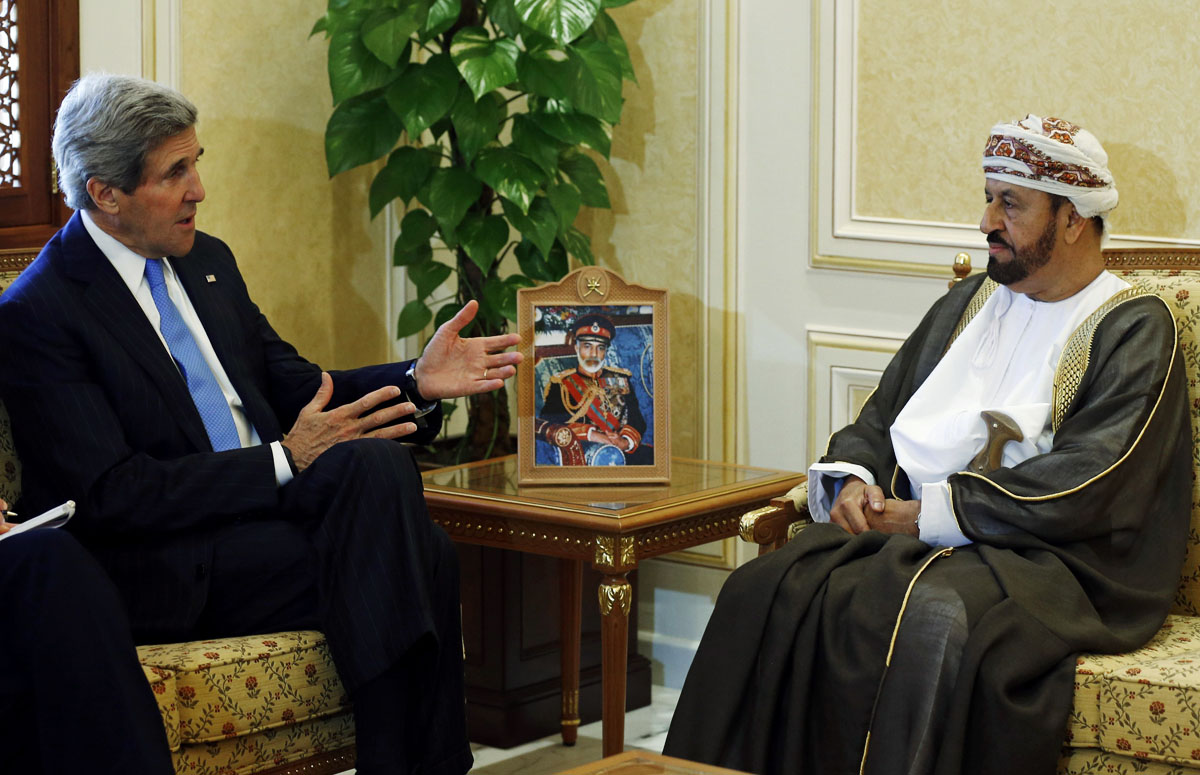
(101, 414)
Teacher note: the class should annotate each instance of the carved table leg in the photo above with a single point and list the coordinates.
(616, 595)
(570, 574)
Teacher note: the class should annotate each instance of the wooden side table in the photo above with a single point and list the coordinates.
(612, 526)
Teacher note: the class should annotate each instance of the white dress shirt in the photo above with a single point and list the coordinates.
(132, 269)
(1005, 361)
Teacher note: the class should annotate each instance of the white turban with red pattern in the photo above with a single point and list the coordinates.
(1055, 156)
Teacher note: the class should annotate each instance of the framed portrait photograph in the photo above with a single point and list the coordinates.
(592, 392)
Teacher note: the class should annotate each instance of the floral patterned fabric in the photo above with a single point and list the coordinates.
(266, 749)
(162, 683)
(230, 687)
(1181, 291)
(1140, 712)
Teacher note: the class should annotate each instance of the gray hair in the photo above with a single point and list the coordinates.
(106, 126)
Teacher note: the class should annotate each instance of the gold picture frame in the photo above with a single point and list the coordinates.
(606, 421)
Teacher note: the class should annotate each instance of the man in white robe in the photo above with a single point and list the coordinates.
(942, 606)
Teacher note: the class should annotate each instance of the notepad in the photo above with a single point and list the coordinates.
(55, 517)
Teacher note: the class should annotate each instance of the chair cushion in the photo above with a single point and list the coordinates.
(1181, 291)
(162, 683)
(231, 687)
(1144, 704)
(269, 748)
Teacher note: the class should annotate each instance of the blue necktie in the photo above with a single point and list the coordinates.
(206, 393)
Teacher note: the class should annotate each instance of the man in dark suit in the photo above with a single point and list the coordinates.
(72, 695)
(228, 485)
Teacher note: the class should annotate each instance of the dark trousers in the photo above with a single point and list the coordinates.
(352, 552)
(73, 698)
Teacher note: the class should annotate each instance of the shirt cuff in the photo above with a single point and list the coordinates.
(825, 482)
(283, 466)
(937, 525)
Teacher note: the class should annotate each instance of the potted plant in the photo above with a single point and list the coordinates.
(488, 113)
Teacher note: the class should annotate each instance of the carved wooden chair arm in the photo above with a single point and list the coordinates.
(771, 526)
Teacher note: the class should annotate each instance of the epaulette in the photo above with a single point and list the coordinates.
(623, 372)
(560, 376)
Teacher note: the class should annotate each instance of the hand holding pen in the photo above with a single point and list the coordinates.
(4, 515)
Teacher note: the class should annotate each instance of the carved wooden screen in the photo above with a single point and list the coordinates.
(39, 58)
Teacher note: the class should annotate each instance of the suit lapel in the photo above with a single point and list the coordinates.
(109, 300)
(210, 300)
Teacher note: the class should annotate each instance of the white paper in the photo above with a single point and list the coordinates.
(55, 517)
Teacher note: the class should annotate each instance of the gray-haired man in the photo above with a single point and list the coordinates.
(228, 485)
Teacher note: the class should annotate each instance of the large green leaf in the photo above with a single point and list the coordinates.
(419, 255)
(504, 16)
(360, 130)
(495, 299)
(546, 72)
(535, 264)
(530, 140)
(339, 18)
(586, 175)
(616, 3)
(485, 63)
(477, 123)
(597, 87)
(413, 318)
(512, 175)
(607, 31)
(428, 276)
(444, 313)
(576, 129)
(416, 229)
(424, 93)
(512, 284)
(566, 200)
(353, 69)
(483, 237)
(407, 170)
(579, 245)
(539, 227)
(386, 32)
(563, 20)
(442, 16)
(450, 191)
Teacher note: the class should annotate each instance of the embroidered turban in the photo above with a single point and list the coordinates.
(1055, 156)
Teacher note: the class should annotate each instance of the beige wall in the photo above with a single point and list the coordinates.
(649, 236)
(312, 259)
(316, 264)
(932, 79)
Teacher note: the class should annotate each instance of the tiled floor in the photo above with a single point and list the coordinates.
(645, 729)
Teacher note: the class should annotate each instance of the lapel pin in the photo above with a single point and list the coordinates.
(212, 278)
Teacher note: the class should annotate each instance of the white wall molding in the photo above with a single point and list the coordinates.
(844, 366)
(843, 237)
(716, 219)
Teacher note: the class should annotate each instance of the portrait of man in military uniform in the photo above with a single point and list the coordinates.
(593, 409)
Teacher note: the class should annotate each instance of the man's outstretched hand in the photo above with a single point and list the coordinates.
(452, 366)
(316, 430)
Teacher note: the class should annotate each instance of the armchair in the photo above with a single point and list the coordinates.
(1135, 712)
(270, 704)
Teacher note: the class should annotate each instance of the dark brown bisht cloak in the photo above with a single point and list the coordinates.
(1075, 550)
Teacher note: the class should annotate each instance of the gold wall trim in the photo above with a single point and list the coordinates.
(882, 266)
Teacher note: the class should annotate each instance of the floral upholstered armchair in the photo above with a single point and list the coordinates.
(259, 704)
(1137, 712)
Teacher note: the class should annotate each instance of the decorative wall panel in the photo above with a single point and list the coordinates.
(906, 95)
(843, 369)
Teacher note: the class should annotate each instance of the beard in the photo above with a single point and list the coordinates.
(590, 367)
(1024, 261)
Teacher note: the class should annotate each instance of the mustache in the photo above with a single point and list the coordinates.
(994, 238)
